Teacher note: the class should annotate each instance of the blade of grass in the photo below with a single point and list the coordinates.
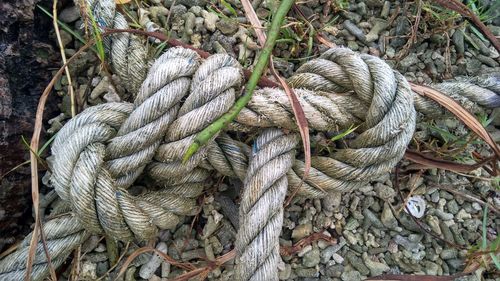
(484, 241)
(208, 133)
(63, 56)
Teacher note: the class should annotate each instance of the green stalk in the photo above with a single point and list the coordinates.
(209, 132)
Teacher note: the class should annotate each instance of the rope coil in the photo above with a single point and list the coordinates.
(103, 150)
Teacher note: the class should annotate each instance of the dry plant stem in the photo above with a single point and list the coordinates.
(429, 162)
(298, 112)
(463, 10)
(63, 56)
(467, 196)
(35, 141)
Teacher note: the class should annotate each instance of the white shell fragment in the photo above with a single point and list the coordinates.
(416, 206)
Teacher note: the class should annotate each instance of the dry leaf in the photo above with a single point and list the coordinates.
(121, 2)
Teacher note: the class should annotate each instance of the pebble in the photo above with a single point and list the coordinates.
(285, 273)
(306, 272)
(388, 218)
(66, 38)
(302, 231)
(385, 9)
(447, 254)
(458, 40)
(357, 263)
(210, 20)
(149, 268)
(462, 215)
(88, 270)
(311, 258)
(409, 60)
(487, 60)
(379, 26)
(376, 268)
(354, 30)
(227, 27)
(372, 218)
(69, 14)
(351, 276)
(334, 270)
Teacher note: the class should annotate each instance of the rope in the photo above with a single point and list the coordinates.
(128, 55)
(261, 208)
(102, 151)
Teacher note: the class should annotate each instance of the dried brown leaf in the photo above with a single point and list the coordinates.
(431, 162)
(460, 112)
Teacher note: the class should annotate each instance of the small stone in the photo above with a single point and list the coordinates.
(306, 272)
(304, 251)
(452, 207)
(379, 26)
(227, 27)
(129, 274)
(376, 268)
(372, 218)
(458, 41)
(455, 264)
(285, 273)
(388, 218)
(334, 271)
(88, 271)
(409, 60)
(66, 38)
(312, 258)
(487, 60)
(443, 215)
(385, 9)
(337, 258)
(357, 263)
(351, 224)
(462, 215)
(351, 276)
(69, 14)
(354, 30)
(302, 231)
(385, 192)
(447, 254)
(431, 268)
(149, 268)
(352, 45)
(210, 20)
(434, 224)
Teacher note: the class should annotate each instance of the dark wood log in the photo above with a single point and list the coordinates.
(26, 60)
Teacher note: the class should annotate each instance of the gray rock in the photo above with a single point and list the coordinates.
(376, 268)
(452, 207)
(302, 231)
(312, 258)
(357, 263)
(351, 276)
(473, 66)
(409, 60)
(388, 218)
(285, 273)
(458, 41)
(69, 14)
(479, 43)
(385, 9)
(355, 30)
(334, 270)
(379, 26)
(447, 254)
(455, 264)
(401, 30)
(361, 8)
(372, 218)
(443, 215)
(306, 272)
(149, 268)
(431, 268)
(227, 27)
(210, 20)
(487, 60)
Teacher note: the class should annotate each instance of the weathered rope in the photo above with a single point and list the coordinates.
(261, 208)
(101, 152)
(127, 52)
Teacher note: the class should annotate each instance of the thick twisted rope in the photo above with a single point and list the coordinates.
(128, 54)
(261, 208)
(99, 153)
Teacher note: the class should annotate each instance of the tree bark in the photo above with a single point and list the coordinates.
(26, 60)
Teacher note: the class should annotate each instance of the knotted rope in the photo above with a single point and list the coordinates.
(100, 152)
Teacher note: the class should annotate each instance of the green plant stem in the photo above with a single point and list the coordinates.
(208, 133)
